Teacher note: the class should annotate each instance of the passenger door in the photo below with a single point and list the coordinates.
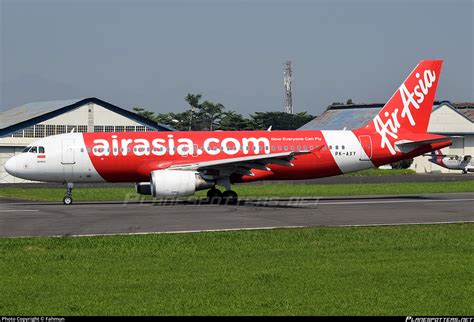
(68, 159)
(67, 156)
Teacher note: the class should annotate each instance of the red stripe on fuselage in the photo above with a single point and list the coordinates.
(130, 157)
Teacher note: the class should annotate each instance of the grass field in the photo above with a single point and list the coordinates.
(267, 190)
(381, 172)
(405, 270)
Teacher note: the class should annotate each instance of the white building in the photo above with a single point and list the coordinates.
(455, 120)
(22, 125)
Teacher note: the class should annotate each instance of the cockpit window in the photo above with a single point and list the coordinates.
(33, 149)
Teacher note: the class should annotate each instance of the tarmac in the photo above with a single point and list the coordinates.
(432, 177)
(27, 219)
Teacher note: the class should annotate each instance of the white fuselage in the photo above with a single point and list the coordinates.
(65, 159)
(457, 163)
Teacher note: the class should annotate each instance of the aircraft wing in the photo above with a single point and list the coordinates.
(243, 165)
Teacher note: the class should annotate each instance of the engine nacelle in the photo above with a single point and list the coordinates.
(143, 188)
(177, 183)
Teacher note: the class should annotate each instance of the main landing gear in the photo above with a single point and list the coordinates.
(67, 200)
(228, 197)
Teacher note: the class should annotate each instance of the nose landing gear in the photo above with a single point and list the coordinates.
(67, 200)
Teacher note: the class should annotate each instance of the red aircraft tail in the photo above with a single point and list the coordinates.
(410, 106)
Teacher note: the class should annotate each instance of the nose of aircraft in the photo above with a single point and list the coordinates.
(10, 166)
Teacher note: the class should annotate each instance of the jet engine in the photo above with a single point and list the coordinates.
(143, 188)
(174, 183)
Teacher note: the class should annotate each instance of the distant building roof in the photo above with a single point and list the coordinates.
(466, 108)
(353, 116)
(32, 113)
(31, 110)
(338, 117)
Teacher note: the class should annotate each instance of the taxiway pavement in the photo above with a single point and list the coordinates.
(22, 219)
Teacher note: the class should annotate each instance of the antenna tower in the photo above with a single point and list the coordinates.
(287, 81)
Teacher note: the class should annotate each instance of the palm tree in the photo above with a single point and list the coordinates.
(193, 101)
(211, 113)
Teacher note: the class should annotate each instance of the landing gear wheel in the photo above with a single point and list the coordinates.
(464, 171)
(67, 200)
(230, 197)
(214, 195)
(68, 197)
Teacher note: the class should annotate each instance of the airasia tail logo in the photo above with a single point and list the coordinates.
(389, 127)
(180, 146)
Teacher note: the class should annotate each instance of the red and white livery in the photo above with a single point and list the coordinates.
(172, 164)
(465, 163)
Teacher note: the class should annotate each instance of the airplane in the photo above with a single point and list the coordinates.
(452, 162)
(176, 164)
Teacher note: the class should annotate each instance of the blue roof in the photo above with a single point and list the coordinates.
(338, 119)
(353, 116)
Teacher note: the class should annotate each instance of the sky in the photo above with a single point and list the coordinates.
(150, 54)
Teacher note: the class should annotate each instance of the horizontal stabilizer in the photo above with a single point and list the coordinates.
(406, 146)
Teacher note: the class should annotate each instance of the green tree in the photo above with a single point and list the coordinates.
(279, 120)
(144, 113)
(231, 121)
(193, 101)
(209, 115)
(178, 121)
